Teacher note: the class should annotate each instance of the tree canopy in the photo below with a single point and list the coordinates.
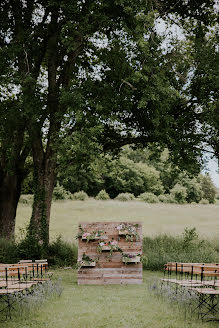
(91, 68)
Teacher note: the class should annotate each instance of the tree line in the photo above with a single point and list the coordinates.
(97, 71)
(135, 173)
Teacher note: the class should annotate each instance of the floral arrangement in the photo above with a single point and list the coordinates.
(131, 258)
(129, 230)
(89, 235)
(86, 261)
(111, 246)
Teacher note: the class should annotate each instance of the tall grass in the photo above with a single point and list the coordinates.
(59, 253)
(188, 247)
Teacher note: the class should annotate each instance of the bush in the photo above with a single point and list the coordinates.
(179, 193)
(204, 201)
(208, 188)
(124, 197)
(193, 189)
(80, 195)
(148, 197)
(59, 252)
(8, 251)
(166, 198)
(59, 193)
(62, 253)
(102, 195)
(185, 248)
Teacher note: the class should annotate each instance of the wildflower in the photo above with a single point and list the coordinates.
(114, 243)
(86, 234)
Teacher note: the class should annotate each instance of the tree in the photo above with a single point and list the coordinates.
(179, 192)
(123, 175)
(96, 63)
(208, 188)
(202, 51)
(14, 149)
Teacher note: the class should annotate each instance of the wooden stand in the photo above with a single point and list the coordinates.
(110, 269)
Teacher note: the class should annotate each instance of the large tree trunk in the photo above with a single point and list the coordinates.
(12, 174)
(45, 156)
(40, 219)
(10, 190)
(44, 182)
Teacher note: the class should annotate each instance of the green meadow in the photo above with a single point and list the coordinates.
(156, 218)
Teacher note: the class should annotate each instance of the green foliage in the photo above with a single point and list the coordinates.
(102, 195)
(124, 175)
(80, 195)
(188, 247)
(125, 197)
(134, 171)
(179, 193)
(59, 193)
(166, 198)
(148, 197)
(208, 188)
(62, 253)
(193, 189)
(28, 246)
(59, 252)
(8, 251)
(204, 201)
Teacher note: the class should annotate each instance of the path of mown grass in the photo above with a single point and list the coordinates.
(105, 306)
(156, 218)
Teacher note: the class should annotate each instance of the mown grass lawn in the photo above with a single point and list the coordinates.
(156, 218)
(112, 306)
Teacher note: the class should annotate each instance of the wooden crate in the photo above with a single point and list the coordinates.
(110, 270)
(135, 259)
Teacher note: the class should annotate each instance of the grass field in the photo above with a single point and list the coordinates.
(156, 218)
(132, 306)
(118, 306)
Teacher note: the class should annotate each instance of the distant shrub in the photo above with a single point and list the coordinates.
(26, 199)
(59, 193)
(148, 197)
(179, 193)
(102, 195)
(185, 248)
(166, 198)
(204, 201)
(80, 195)
(124, 197)
(163, 199)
